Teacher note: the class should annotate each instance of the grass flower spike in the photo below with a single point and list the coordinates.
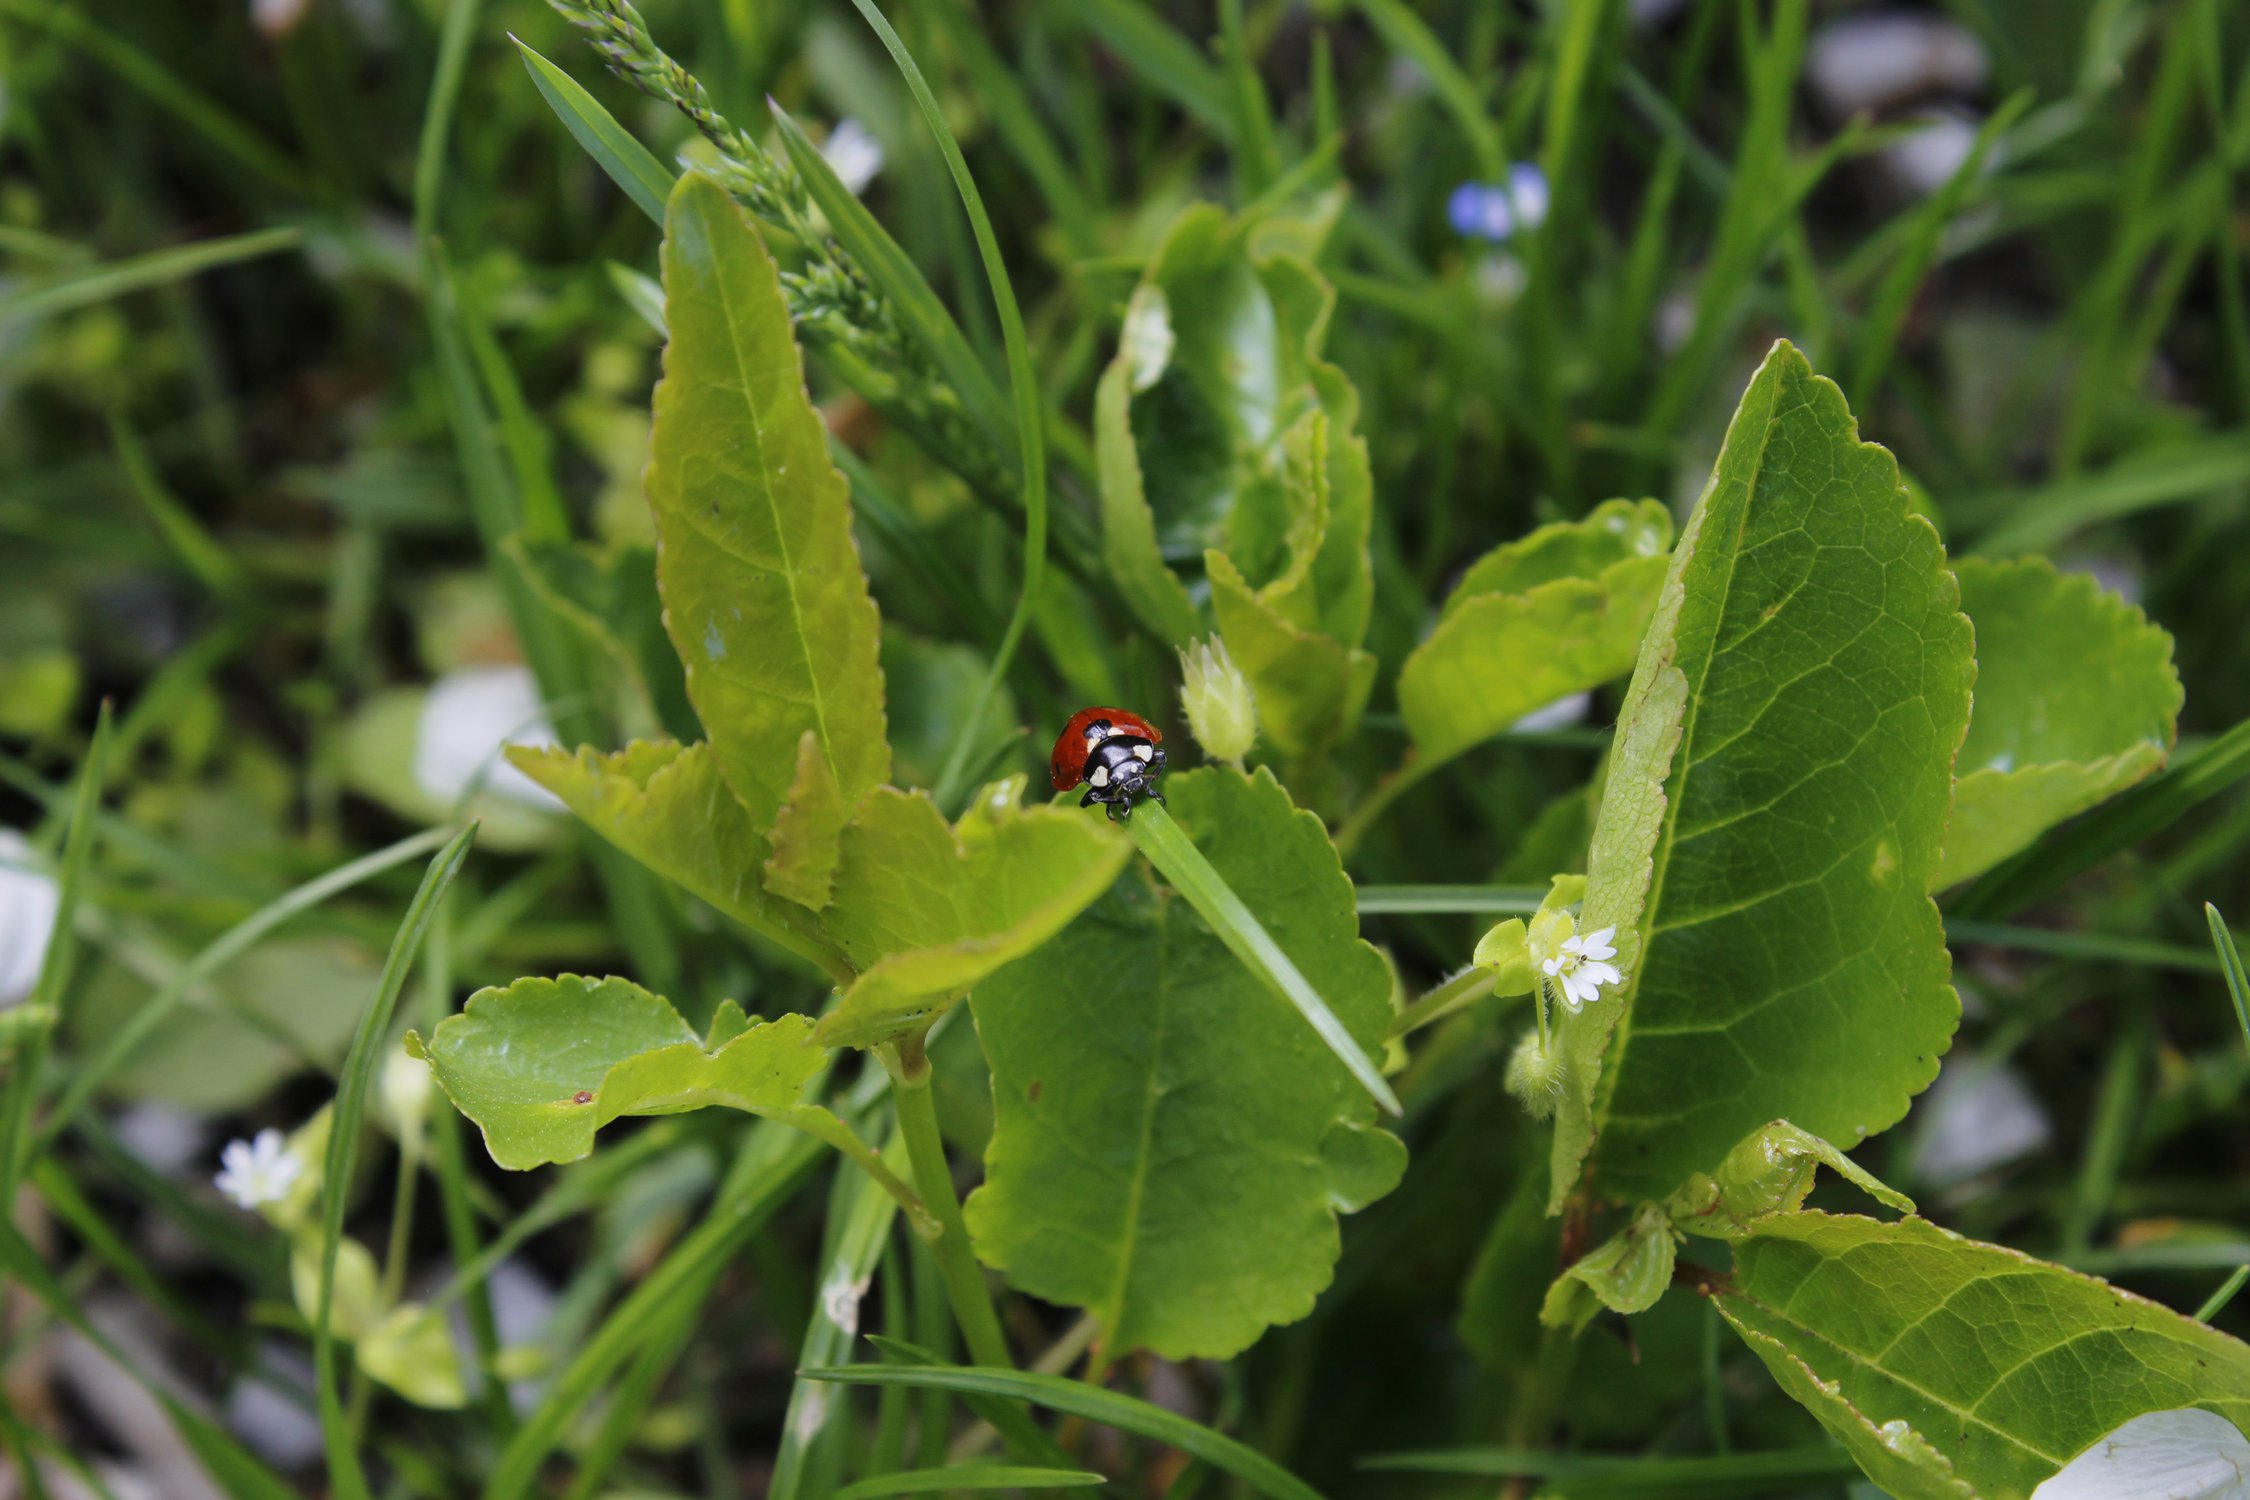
(258, 1172)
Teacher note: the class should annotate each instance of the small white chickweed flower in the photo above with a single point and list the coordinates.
(1580, 968)
(260, 1171)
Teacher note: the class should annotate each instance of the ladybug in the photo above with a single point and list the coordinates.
(1114, 751)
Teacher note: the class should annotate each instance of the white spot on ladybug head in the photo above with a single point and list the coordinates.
(1096, 732)
(1144, 752)
(1100, 776)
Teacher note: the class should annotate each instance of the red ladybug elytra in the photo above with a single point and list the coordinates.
(1114, 751)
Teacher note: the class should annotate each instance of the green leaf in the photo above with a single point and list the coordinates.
(1954, 1370)
(1172, 1145)
(1218, 427)
(355, 1302)
(763, 592)
(1772, 814)
(1625, 1273)
(1074, 1398)
(1310, 687)
(412, 1351)
(614, 149)
(1558, 612)
(101, 283)
(806, 837)
(666, 805)
(1770, 1173)
(2076, 700)
(610, 594)
(968, 1477)
(924, 911)
(542, 1064)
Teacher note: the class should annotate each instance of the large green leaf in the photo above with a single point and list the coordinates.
(763, 592)
(1954, 1370)
(924, 911)
(667, 806)
(1172, 1144)
(542, 1064)
(1202, 440)
(2076, 700)
(1771, 819)
(1556, 613)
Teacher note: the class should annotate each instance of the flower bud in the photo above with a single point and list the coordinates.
(1535, 1075)
(405, 1090)
(1222, 712)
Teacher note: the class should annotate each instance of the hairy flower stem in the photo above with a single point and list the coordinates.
(964, 1280)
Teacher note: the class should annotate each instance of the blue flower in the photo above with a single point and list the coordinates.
(1497, 211)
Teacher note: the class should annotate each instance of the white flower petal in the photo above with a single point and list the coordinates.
(1599, 973)
(1598, 943)
(1574, 946)
(29, 900)
(2159, 1455)
(469, 717)
(854, 154)
(1551, 967)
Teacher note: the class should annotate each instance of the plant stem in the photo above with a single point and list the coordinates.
(964, 1279)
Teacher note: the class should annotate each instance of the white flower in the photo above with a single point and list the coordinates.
(470, 716)
(256, 1172)
(2185, 1454)
(29, 901)
(853, 154)
(1580, 968)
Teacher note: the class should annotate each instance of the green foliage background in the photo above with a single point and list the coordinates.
(334, 346)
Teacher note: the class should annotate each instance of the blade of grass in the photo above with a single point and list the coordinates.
(2036, 519)
(2230, 964)
(860, 1215)
(1721, 1477)
(2101, 945)
(1168, 847)
(1257, 155)
(17, 1150)
(113, 279)
(766, 1169)
(1008, 1420)
(1396, 900)
(459, 29)
(1163, 59)
(1017, 120)
(70, 24)
(213, 566)
(1076, 1399)
(967, 1477)
(216, 955)
(236, 1472)
(1886, 313)
(2116, 1112)
(1406, 34)
(629, 164)
(345, 1476)
(900, 280)
(1030, 425)
(450, 1166)
(2217, 1301)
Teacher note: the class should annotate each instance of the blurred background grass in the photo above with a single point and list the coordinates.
(312, 314)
